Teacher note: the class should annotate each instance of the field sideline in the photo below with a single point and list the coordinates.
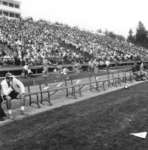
(100, 123)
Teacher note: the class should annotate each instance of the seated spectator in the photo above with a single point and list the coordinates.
(138, 71)
(12, 88)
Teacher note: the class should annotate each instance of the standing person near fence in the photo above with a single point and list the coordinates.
(65, 71)
(143, 73)
(26, 70)
(45, 67)
(91, 66)
(12, 88)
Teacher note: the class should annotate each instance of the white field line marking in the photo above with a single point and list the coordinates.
(140, 134)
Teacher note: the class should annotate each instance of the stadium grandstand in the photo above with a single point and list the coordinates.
(10, 9)
(32, 41)
(46, 66)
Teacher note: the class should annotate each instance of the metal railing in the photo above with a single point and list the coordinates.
(74, 87)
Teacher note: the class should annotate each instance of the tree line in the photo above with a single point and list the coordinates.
(140, 38)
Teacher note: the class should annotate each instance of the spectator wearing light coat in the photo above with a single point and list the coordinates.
(12, 88)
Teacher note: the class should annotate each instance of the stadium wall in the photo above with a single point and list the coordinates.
(84, 67)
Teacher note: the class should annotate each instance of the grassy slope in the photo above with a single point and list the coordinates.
(101, 123)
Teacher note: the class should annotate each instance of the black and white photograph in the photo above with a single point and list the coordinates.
(73, 75)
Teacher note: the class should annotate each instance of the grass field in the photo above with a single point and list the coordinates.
(101, 123)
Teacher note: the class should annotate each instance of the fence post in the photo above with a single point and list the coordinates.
(90, 87)
(74, 92)
(37, 100)
(125, 77)
(49, 101)
(66, 87)
(96, 82)
(40, 87)
(80, 93)
(29, 91)
(113, 78)
(103, 82)
(72, 88)
(108, 76)
(24, 100)
(119, 79)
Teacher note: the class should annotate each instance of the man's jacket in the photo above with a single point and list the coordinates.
(15, 85)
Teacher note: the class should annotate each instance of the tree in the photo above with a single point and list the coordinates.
(140, 38)
(141, 34)
(131, 37)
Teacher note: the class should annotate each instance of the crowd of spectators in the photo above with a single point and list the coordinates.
(30, 41)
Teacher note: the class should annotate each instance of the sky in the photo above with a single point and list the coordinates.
(114, 15)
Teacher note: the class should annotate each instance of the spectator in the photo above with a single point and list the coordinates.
(26, 70)
(33, 41)
(12, 88)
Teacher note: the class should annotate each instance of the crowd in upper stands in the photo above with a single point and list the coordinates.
(35, 42)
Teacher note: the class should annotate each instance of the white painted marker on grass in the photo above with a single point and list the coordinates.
(142, 135)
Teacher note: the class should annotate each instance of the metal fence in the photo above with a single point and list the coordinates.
(74, 88)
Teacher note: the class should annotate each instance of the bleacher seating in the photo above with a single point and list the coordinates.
(31, 41)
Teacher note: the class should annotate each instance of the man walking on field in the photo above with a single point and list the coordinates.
(12, 88)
